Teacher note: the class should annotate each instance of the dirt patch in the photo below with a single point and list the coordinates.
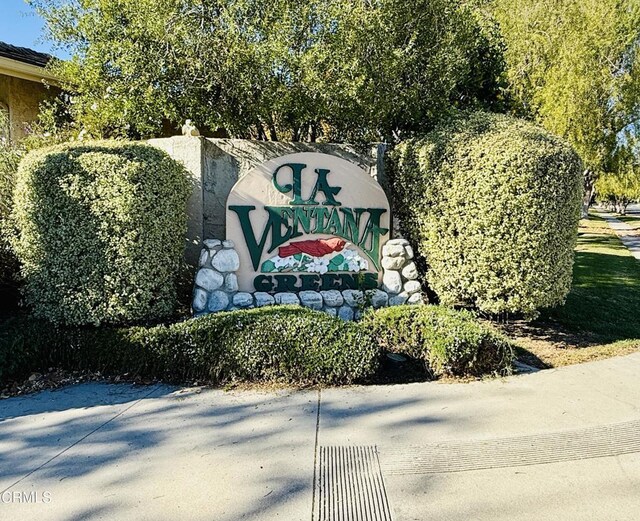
(56, 378)
(546, 345)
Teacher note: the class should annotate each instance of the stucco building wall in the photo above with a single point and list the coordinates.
(23, 98)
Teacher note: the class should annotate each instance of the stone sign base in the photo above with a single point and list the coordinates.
(216, 285)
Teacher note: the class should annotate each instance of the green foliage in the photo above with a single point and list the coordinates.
(273, 344)
(621, 186)
(574, 66)
(20, 352)
(604, 301)
(100, 232)
(52, 127)
(449, 342)
(492, 204)
(319, 69)
(617, 190)
(9, 159)
(286, 344)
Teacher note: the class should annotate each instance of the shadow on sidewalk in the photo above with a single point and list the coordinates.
(241, 455)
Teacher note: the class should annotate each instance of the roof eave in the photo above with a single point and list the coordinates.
(26, 71)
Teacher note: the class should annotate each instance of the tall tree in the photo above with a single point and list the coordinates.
(574, 66)
(620, 186)
(618, 189)
(274, 69)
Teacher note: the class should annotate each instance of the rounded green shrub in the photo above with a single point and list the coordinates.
(492, 204)
(101, 231)
(272, 344)
(449, 342)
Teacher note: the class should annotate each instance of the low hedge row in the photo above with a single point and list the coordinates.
(449, 342)
(273, 344)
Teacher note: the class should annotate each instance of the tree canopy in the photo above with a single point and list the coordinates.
(620, 186)
(351, 70)
(274, 69)
(574, 66)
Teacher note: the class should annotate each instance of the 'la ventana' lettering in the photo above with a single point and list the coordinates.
(284, 223)
(321, 185)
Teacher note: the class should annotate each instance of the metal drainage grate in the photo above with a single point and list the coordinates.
(350, 486)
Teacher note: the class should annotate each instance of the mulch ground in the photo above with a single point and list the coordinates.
(57, 378)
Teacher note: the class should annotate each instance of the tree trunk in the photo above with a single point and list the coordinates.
(623, 207)
(589, 189)
(273, 135)
(312, 132)
(262, 136)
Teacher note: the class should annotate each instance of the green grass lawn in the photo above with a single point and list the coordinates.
(601, 316)
(605, 297)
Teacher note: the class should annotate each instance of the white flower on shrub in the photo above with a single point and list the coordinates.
(349, 254)
(318, 265)
(348, 260)
(284, 262)
(353, 265)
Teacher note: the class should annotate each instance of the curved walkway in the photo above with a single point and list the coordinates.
(557, 444)
(628, 235)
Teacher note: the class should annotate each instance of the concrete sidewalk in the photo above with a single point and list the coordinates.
(625, 231)
(558, 444)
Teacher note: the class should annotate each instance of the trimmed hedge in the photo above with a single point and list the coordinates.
(492, 204)
(288, 344)
(283, 344)
(449, 342)
(101, 231)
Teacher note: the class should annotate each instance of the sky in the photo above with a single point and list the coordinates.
(20, 25)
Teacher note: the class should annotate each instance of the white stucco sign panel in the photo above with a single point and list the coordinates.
(308, 222)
